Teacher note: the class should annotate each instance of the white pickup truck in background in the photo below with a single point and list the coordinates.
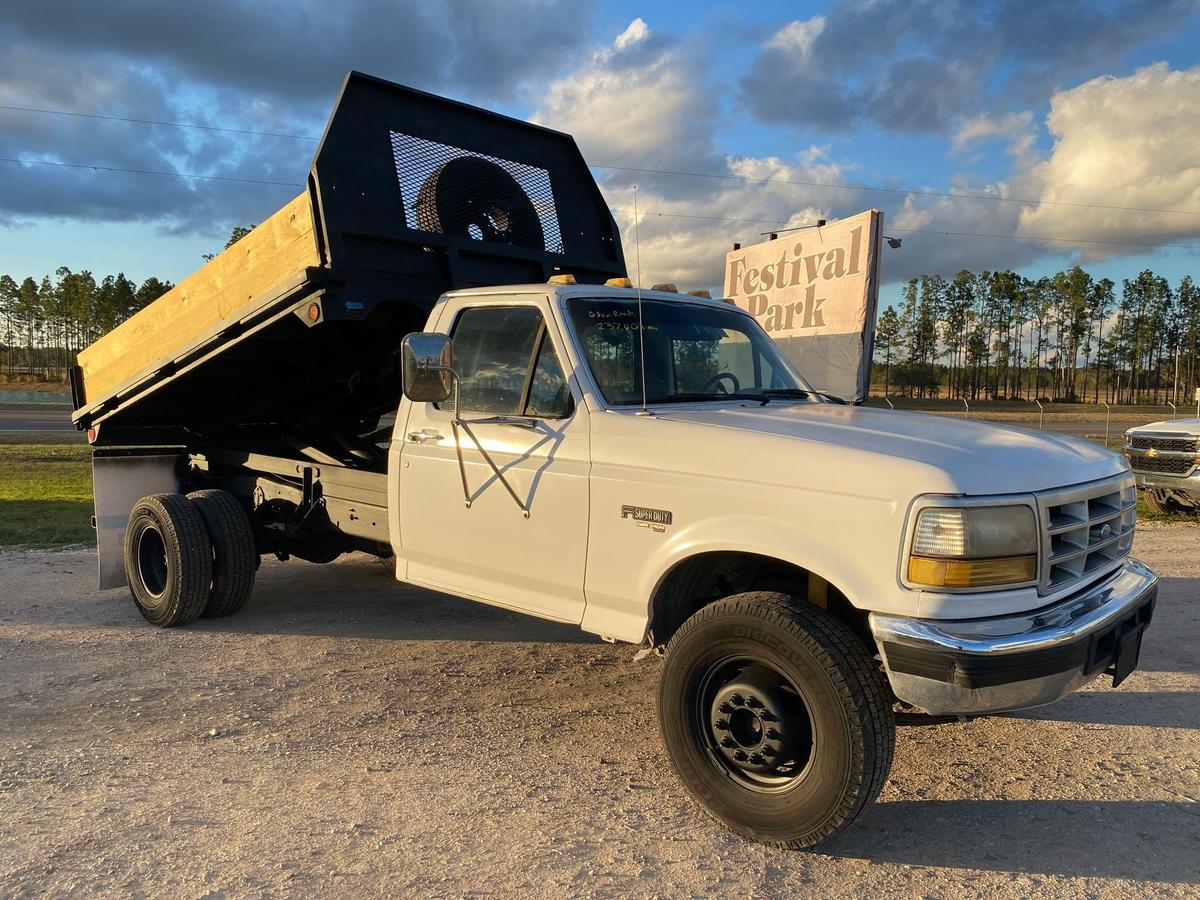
(1165, 457)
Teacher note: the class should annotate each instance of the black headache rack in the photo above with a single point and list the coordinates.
(412, 195)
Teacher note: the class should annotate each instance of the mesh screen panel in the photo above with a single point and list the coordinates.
(473, 200)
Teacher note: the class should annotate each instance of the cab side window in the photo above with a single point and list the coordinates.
(507, 364)
(549, 396)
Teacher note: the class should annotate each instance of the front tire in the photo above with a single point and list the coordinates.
(1164, 501)
(168, 559)
(775, 718)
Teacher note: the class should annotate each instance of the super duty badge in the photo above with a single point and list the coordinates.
(645, 517)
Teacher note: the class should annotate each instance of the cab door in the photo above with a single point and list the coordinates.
(460, 528)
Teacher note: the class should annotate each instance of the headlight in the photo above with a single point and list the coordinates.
(974, 547)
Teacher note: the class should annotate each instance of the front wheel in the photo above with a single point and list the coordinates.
(775, 718)
(1164, 501)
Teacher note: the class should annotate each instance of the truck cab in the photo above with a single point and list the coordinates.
(982, 567)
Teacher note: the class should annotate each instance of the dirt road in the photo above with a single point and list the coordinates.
(347, 736)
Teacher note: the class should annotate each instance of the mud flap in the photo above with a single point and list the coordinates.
(118, 482)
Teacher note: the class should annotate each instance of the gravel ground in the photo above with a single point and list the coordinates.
(345, 735)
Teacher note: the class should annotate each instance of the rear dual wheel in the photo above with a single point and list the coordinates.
(188, 556)
(234, 557)
(775, 718)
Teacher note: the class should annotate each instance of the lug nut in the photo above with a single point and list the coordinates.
(754, 703)
(740, 756)
(773, 733)
(738, 700)
(722, 724)
(757, 759)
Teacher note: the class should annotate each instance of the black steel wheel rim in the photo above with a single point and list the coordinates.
(754, 724)
(152, 562)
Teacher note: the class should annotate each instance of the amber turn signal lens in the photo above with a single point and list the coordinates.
(971, 573)
(314, 312)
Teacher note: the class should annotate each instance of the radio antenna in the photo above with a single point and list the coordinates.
(637, 249)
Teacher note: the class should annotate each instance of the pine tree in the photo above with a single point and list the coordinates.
(889, 334)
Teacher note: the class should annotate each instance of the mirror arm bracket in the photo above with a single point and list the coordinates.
(455, 424)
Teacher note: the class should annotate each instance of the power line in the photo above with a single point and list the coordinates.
(96, 168)
(948, 195)
(1009, 237)
(710, 218)
(833, 185)
(1034, 237)
(196, 125)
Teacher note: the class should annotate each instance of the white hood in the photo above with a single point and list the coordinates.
(1169, 426)
(976, 457)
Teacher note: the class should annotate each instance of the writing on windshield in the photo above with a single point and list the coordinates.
(694, 352)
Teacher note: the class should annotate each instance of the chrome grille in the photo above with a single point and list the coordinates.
(1172, 444)
(1166, 465)
(1086, 530)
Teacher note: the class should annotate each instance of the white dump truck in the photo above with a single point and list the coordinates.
(434, 355)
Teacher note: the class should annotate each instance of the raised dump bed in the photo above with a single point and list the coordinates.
(289, 337)
(268, 261)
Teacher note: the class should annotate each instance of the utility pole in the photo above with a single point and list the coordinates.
(1175, 389)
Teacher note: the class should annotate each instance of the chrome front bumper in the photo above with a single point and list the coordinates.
(1189, 484)
(972, 666)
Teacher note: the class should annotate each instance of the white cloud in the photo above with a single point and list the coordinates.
(638, 101)
(637, 32)
(654, 108)
(1128, 142)
(645, 102)
(797, 37)
(648, 103)
(1015, 127)
(684, 238)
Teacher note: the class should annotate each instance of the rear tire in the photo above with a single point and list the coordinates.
(234, 556)
(168, 559)
(775, 718)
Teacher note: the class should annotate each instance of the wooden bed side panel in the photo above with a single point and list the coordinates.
(225, 288)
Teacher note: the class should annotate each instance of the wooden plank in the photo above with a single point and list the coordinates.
(227, 287)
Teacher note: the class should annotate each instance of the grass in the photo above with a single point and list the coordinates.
(45, 492)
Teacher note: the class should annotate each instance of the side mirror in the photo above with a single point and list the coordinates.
(426, 361)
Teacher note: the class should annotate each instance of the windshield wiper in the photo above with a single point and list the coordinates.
(695, 396)
(797, 393)
(802, 394)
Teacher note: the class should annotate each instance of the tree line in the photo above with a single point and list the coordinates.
(1065, 337)
(45, 322)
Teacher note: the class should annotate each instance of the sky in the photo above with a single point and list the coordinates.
(1028, 134)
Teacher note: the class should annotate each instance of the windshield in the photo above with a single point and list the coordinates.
(694, 353)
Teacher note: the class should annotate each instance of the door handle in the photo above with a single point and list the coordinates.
(424, 436)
